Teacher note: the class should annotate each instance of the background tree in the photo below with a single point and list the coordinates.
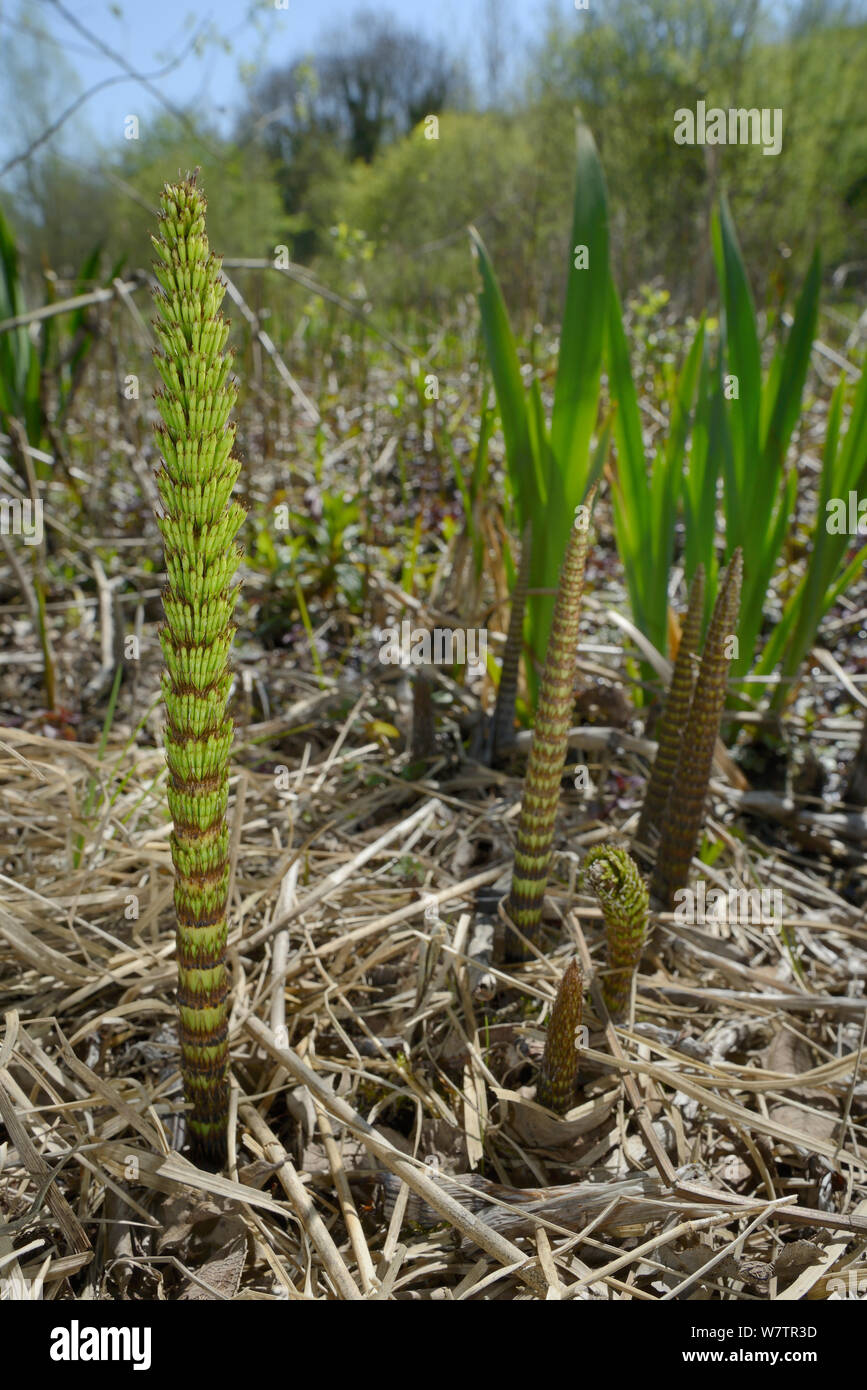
(362, 91)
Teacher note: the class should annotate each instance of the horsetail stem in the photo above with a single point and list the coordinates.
(556, 1085)
(673, 718)
(613, 876)
(507, 692)
(199, 524)
(687, 796)
(535, 840)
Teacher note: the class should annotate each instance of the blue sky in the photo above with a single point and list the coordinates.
(149, 33)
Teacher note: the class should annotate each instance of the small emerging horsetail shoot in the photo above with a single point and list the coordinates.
(556, 1085)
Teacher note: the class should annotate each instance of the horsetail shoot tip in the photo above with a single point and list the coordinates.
(556, 1085)
(199, 523)
(613, 876)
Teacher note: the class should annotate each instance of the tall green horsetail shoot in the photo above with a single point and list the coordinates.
(199, 523)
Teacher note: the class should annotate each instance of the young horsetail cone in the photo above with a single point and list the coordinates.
(556, 1085)
(199, 523)
(613, 876)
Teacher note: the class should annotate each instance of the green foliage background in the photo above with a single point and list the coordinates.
(507, 169)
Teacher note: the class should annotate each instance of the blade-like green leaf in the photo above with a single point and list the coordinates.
(508, 383)
(853, 453)
(764, 563)
(793, 371)
(844, 470)
(16, 348)
(743, 356)
(705, 462)
(631, 463)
